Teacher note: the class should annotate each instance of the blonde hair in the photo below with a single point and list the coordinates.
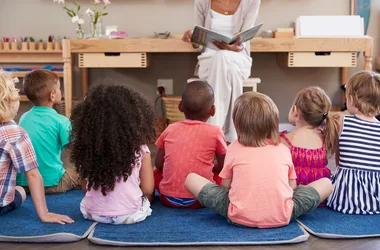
(256, 120)
(314, 105)
(364, 87)
(8, 95)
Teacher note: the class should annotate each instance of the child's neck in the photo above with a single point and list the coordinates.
(48, 105)
(303, 125)
(365, 117)
(201, 120)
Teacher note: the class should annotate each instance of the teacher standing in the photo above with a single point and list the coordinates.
(225, 66)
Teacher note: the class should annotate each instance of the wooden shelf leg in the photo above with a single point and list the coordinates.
(344, 79)
(367, 61)
(84, 81)
(67, 79)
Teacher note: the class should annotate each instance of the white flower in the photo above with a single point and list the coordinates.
(74, 19)
(89, 12)
(80, 21)
(96, 1)
(106, 2)
(59, 1)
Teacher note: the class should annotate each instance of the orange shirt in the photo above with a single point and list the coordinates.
(260, 195)
(190, 147)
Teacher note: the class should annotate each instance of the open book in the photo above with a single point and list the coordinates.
(204, 36)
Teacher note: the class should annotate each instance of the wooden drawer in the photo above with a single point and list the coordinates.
(322, 59)
(113, 60)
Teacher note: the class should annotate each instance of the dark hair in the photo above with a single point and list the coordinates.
(38, 84)
(109, 128)
(197, 99)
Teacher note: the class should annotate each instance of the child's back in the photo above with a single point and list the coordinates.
(307, 141)
(111, 129)
(49, 132)
(266, 171)
(125, 197)
(190, 147)
(357, 179)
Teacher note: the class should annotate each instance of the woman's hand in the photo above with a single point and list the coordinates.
(187, 38)
(236, 46)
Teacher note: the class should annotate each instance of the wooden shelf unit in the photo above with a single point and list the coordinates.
(176, 45)
(36, 57)
(23, 73)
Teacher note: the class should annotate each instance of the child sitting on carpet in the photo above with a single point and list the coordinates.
(111, 128)
(189, 146)
(17, 156)
(308, 143)
(49, 132)
(258, 173)
(357, 179)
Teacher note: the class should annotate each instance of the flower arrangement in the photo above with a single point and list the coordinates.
(75, 14)
(95, 13)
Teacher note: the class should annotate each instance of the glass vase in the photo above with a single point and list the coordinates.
(96, 29)
(79, 32)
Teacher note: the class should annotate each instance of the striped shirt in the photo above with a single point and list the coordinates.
(357, 180)
(16, 156)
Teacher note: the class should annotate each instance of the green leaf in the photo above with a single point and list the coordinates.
(105, 14)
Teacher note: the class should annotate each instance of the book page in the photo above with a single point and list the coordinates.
(248, 34)
(203, 36)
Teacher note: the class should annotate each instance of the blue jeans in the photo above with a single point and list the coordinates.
(13, 205)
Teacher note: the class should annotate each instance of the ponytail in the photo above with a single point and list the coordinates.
(331, 133)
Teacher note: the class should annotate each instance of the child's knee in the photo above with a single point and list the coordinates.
(21, 190)
(190, 179)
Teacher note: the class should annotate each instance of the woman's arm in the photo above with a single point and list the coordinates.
(251, 15)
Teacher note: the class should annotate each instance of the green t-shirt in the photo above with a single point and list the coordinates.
(49, 133)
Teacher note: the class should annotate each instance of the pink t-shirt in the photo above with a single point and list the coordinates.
(260, 195)
(125, 199)
(190, 147)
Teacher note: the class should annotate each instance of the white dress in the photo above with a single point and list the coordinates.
(225, 71)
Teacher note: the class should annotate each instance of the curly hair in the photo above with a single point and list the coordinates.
(109, 127)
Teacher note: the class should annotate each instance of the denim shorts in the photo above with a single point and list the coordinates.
(13, 205)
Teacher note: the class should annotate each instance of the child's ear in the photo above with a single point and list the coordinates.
(52, 96)
(180, 106)
(212, 110)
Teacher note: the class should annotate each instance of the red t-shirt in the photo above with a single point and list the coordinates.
(190, 147)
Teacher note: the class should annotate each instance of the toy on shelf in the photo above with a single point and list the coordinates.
(11, 44)
(32, 44)
(24, 43)
(14, 46)
(49, 44)
(40, 45)
(6, 45)
(57, 44)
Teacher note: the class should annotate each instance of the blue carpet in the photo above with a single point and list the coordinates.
(327, 223)
(166, 227)
(23, 225)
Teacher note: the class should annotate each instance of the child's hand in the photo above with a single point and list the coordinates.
(56, 218)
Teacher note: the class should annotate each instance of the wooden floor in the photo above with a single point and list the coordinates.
(311, 244)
